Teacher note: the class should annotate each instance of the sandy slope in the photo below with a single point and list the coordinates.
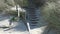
(17, 27)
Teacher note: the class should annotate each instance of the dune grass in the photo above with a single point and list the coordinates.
(51, 13)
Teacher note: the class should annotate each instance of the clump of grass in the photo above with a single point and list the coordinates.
(51, 13)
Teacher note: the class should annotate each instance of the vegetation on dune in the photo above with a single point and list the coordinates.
(21, 2)
(51, 13)
(5, 4)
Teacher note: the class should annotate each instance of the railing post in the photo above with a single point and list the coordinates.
(18, 12)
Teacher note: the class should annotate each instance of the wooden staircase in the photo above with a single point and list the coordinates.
(33, 16)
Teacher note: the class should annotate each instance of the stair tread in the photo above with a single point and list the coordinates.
(34, 19)
(33, 22)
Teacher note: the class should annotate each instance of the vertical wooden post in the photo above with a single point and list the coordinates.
(29, 27)
(18, 12)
